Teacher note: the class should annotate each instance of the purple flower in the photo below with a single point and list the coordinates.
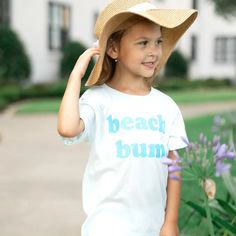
(229, 155)
(221, 168)
(221, 150)
(185, 140)
(167, 161)
(174, 168)
(174, 177)
(203, 157)
(218, 120)
(223, 153)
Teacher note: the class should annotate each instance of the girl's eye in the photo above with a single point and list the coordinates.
(159, 41)
(143, 43)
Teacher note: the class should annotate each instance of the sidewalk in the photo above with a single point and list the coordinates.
(40, 178)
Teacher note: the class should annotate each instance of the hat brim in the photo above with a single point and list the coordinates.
(174, 22)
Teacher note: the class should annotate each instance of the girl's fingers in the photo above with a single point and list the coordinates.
(89, 53)
(84, 59)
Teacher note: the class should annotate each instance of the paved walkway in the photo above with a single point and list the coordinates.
(40, 178)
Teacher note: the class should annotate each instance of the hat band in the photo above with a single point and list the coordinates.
(142, 7)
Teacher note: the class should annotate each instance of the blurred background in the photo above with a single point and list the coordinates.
(40, 40)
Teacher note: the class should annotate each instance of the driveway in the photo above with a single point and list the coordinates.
(40, 178)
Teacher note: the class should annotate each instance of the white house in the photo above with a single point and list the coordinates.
(45, 25)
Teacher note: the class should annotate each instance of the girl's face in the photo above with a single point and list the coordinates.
(139, 51)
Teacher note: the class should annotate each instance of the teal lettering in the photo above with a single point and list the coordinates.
(141, 123)
(123, 150)
(113, 124)
(139, 150)
(157, 150)
(152, 122)
(127, 123)
(161, 124)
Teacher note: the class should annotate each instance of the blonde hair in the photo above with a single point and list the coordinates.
(109, 64)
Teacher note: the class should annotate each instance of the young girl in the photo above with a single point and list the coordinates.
(130, 125)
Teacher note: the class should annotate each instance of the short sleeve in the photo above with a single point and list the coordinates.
(178, 137)
(87, 114)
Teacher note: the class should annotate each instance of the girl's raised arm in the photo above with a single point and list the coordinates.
(69, 122)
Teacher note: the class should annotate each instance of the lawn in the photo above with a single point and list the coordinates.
(181, 97)
(203, 95)
(46, 105)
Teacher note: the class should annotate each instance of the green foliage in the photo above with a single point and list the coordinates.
(14, 63)
(175, 83)
(221, 221)
(222, 209)
(71, 53)
(12, 92)
(226, 8)
(177, 65)
(188, 91)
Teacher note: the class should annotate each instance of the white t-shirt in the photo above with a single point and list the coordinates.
(124, 184)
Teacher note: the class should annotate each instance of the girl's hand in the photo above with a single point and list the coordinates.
(169, 229)
(83, 61)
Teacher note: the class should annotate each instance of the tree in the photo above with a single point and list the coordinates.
(14, 62)
(71, 52)
(226, 8)
(177, 65)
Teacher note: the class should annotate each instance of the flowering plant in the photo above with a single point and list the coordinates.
(226, 126)
(202, 161)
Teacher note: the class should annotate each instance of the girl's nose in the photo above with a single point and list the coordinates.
(155, 51)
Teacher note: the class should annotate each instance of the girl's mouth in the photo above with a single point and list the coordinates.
(149, 64)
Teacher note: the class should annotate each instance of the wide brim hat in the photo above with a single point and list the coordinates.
(174, 23)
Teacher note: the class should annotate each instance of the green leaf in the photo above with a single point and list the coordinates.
(188, 175)
(234, 134)
(230, 183)
(196, 207)
(227, 207)
(215, 219)
(231, 228)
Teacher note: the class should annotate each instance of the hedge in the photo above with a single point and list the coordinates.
(12, 92)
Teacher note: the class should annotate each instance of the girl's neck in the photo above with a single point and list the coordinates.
(132, 86)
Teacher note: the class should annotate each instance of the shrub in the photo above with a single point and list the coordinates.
(176, 83)
(71, 53)
(177, 65)
(11, 92)
(14, 63)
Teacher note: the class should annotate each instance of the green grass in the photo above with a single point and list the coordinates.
(181, 97)
(203, 95)
(39, 106)
(198, 125)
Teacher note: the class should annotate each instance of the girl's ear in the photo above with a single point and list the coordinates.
(112, 50)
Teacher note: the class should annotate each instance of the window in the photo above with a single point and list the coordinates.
(4, 12)
(195, 4)
(59, 23)
(193, 47)
(225, 50)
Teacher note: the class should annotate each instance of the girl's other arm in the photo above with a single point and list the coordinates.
(170, 226)
(69, 122)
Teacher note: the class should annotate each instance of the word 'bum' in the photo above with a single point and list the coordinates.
(139, 123)
(139, 150)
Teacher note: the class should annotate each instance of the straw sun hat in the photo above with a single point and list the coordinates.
(174, 23)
